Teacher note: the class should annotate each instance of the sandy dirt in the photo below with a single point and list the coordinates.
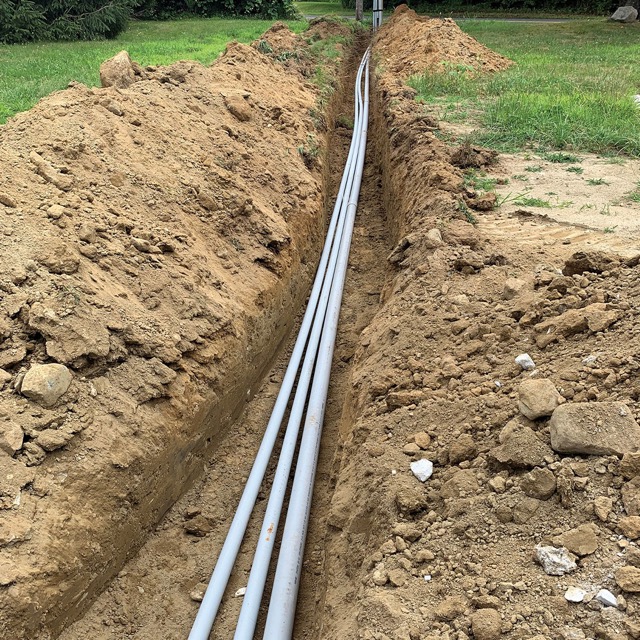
(436, 310)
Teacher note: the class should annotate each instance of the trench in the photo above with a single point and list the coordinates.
(156, 593)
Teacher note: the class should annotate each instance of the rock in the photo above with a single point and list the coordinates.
(539, 483)
(117, 71)
(512, 287)
(537, 398)
(398, 577)
(5, 377)
(46, 383)
(630, 527)
(633, 556)
(464, 448)
(52, 439)
(602, 507)
(198, 526)
(44, 169)
(462, 483)
(525, 509)
(410, 497)
(422, 439)
(582, 540)
(486, 602)
(625, 14)
(628, 579)
(450, 608)
(458, 232)
(11, 437)
(434, 238)
(525, 361)
(55, 211)
(60, 260)
(522, 448)
(486, 624)
(7, 200)
(554, 561)
(574, 594)
(596, 428)
(594, 317)
(238, 107)
(606, 598)
(422, 469)
(630, 465)
(87, 233)
(591, 261)
(12, 356)
(411, 449)
(631, 497)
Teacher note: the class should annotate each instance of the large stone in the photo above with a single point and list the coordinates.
(628, 579)
(555, 561)
(631, 497)
(596, 428)
(46, 383)
(630, 527)
(630, 465)
(582, 540)
(11, 437)
(522, 448)
(450, 608)
(486, 624)
(539, 483)
(117, 71)
(594, 317)
(625, 14)
(537, 398)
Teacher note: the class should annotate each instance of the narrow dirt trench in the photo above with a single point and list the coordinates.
(156, 594)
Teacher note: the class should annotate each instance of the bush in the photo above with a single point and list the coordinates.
(163, 9)
(27, 20)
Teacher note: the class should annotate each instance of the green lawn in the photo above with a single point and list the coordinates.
(29, 72)
(572, 87)
(323, 8)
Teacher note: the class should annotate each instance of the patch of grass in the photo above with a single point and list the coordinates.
(527, 201)
(574, 169)
(533, 168)
(31, 71)
(569, 91)
(610, 229)
(479, 181)
(596, 182)
(560, 157)
(521, 177)
(323, 8)
(634, 196)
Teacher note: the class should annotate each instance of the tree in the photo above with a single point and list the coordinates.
(359, 10)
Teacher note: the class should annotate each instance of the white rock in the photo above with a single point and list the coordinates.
(240, 592)
(574, 594)
(605, 597)
(422, 469)
(556, 561)
(526, 361)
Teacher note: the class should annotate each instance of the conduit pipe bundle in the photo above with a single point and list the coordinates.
(310, 364)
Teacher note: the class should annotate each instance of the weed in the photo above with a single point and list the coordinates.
(526, 201)
(344, 121)
(561, 157)
(634, 196)
(586, 206)
(479, 182)
(575, 169)
(596, 182)
(264, 46)
(521, 177)
(468, 214)
(610, 229)
(606, 210)
(309, 151)
(533, 168)
(510, 197)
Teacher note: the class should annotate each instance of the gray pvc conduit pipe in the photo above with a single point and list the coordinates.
(280, 618)
(226, 560)
(258, 576)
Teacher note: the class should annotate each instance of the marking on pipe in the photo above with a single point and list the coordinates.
(269, 531)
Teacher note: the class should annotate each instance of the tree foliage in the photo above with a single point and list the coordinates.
(163, 9)
(579, 6)
(25, 20)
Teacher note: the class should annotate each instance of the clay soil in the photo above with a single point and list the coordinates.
(443, 293)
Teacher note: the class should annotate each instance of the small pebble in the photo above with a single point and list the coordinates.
(574, 594)
(526, 361)
(605, 597)
(240, 592)
(422, 469)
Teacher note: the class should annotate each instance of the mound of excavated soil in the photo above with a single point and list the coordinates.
(155, 244)
(407, 44)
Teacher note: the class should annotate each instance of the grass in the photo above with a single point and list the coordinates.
(570, 89)
(323, 8)
(596, 182)
(526, 201)
(32, 71)
(578, 170)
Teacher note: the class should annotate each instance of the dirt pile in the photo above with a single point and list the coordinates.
(156, 241)
(408, 44)
(455, 515)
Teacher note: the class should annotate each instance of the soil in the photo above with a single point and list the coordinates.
(157, 241)
(443, 293)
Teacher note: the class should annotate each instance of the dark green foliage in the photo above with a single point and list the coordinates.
(600, 7)
(26, 20)
(163, 9)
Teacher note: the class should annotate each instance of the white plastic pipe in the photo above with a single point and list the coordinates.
(258, 576)
(217, 585)
(280, 618)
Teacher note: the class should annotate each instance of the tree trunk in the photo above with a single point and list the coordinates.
(359, 10)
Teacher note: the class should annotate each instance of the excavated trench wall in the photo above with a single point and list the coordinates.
(142, 436)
